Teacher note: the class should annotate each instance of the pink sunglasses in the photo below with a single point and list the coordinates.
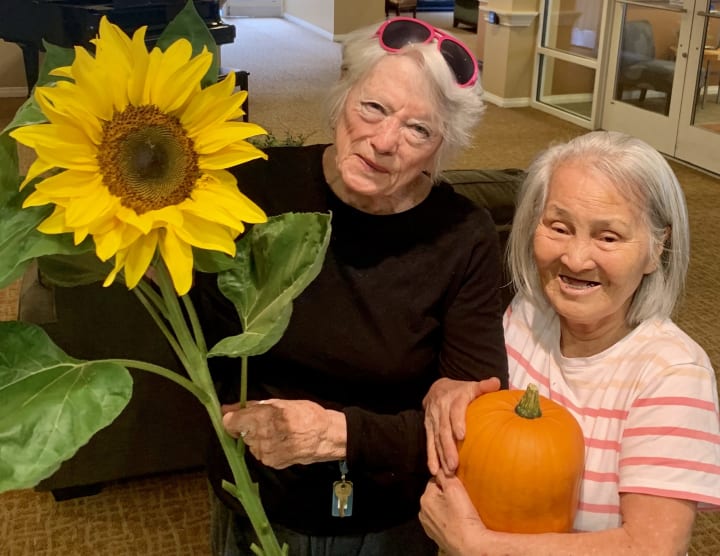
(400, 31)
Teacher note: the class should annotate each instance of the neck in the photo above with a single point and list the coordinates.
(374, 204)
(584, 341)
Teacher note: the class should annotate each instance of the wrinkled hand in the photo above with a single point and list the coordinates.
(449, 517)
(445, 406)
(280, 433)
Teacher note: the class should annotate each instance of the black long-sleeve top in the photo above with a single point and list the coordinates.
(401, 300)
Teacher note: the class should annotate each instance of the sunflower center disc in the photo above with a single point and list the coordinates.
(147, 160)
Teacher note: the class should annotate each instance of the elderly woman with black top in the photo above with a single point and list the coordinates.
(408, 293)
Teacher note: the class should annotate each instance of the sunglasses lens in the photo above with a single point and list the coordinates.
(400, 33)
(459, 60)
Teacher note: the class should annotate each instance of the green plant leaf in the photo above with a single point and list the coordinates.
(55, 57)
(21, 242)
(211, 262)
(51, 405)
(275, 262)
(73, 270)
(188, 24)
(9, 178)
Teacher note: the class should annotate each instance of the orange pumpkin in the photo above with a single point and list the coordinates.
(522, 462)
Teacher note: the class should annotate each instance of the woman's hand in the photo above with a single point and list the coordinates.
(445, 405)
(449, 517)
(280, 433)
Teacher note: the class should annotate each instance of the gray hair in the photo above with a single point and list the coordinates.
(639, 172)
(458, 108)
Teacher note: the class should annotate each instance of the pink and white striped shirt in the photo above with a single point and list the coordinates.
(648, 407)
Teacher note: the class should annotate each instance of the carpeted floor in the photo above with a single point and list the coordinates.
(290, 71)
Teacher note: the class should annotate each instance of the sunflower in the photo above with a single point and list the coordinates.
(135, 153)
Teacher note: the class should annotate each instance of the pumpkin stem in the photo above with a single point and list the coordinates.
(529, 405)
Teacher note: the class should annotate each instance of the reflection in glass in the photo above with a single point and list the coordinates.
(573, 26)
(646, 68)
(566, 86)
(706, 113)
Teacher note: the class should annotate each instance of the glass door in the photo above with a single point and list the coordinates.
(565, 78)
(646, 70)
(698, 137)
(664, 77)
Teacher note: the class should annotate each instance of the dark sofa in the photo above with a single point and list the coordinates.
(163, 428)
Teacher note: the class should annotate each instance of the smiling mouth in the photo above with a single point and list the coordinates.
(578, 284)
(373, 166)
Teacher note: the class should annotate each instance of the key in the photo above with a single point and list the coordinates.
(342, 491)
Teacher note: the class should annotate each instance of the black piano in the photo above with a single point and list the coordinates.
(69, 22)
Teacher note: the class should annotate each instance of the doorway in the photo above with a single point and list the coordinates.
(664, 77)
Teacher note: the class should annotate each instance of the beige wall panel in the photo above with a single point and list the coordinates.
(12, 70)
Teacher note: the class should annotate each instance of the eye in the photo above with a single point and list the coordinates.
(559, 228)
(420, 130)
(373, 110)
(609, 238)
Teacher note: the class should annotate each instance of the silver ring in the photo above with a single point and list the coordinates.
(243, 434)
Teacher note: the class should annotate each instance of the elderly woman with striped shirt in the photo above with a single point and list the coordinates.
(598, 253)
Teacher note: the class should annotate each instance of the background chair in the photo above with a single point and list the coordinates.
(398, 6)
(466, 12)
(639, 69)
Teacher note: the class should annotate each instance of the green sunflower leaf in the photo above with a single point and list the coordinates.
(21, 242)
(9, 178)
(188, 24)
(51, 405)
(55, 57)
(274, 263)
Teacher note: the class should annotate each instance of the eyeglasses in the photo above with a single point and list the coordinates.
(401, 31)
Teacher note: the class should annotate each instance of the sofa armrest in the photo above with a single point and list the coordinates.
(494, 190)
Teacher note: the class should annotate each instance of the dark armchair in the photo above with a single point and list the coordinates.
(639, 68)
(466, 12)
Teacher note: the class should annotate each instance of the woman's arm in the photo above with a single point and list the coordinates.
(651, 525)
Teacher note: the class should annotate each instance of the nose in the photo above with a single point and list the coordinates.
(578, 255)
(386, 138)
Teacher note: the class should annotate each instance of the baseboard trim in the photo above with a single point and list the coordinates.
(13, 92)
(309, 26)
(519, 102)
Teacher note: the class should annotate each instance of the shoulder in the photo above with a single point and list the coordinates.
(281, 160)
(660, 343)
(459, 210)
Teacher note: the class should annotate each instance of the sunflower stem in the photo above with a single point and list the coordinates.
(156, 312)
(195, 322)
(243, 380)
(199, 393)
(195, 362)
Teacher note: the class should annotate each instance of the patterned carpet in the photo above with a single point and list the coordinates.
(169, 515)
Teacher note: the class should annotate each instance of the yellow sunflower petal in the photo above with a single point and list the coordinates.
(179, 260)
(107, 244)
(212, 105)
(79, 235)
(62, 106)
(139, 256)
(83, 211)
(180, 77)
(89, 78)
(227, 200)
(37, 168)
(63, 146)
(55, 223)
(231, 157)
(220, 136)
(71, 183)
(198, 232)
(119, 263)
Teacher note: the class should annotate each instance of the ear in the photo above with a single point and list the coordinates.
(657, 251)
